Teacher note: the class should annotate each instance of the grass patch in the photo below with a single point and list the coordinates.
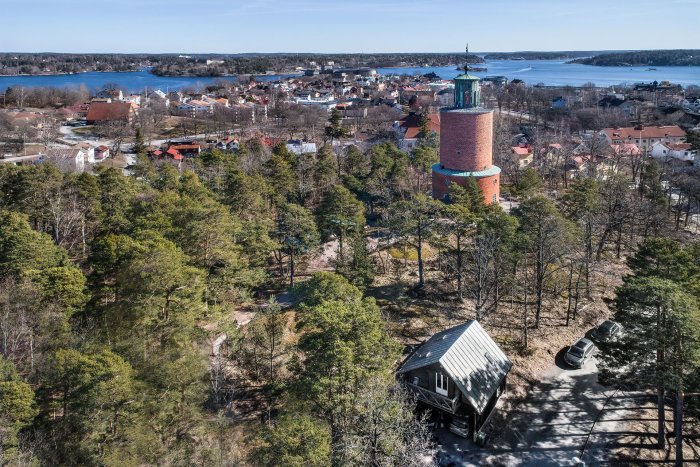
(410, 253)
(84, 130)
(401, 253)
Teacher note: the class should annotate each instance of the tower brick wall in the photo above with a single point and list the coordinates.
(466, 139)
(490, 185)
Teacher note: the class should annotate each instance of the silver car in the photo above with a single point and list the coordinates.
(606, 331)
(578, 353)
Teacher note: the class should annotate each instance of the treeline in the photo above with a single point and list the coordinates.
(49, 63)
(533, 55)
(258, 64)
(44, 97)
(174, 65)
(689, 57)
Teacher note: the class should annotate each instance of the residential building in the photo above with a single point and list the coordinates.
(299, 147)
(560, 103)
(133, 98)
(67, 160)
(187, 149)
(101, 153)
(644, 136)
(408, 129)
(524, 155)
(196, 107)
(460, 372)
(88, 150)
(113, 94)
(498, 81)
(680, 151)
(101, 112)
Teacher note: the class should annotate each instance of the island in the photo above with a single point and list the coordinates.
(534, 55)
(213, 65)
(680, 57)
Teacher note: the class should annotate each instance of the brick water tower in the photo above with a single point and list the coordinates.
(466, 143)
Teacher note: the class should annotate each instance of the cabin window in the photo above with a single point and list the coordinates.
(441, 383)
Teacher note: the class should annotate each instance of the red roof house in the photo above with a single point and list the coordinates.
(101, 112)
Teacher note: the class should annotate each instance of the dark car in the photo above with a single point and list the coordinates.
(578, 353)
(605, 331)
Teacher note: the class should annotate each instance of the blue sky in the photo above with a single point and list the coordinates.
(234, 26)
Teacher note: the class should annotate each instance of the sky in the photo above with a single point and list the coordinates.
(356, 26)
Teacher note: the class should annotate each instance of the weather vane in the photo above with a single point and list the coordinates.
(466, 59)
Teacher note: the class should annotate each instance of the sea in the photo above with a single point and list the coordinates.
(533, 72)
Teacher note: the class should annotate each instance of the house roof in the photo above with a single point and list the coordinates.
(61, 153)
(629, 149)
(411, 123)
(646, 132)
(469, 356)
(174, 153)
(520, 151)
(184, 147)
(109, 111)
(680, 146)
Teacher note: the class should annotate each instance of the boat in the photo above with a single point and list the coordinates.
(651, 69)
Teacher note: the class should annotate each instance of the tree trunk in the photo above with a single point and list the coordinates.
(568, 306)
(679, 428)
(291, 270)
(460, 291)
(419, 250)
(661, 439)
(525, 323)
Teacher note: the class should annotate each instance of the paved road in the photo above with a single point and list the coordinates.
(515, 113)
(552, 426)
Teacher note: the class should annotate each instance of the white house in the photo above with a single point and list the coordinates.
(67, 160)
(195, 107)
(680, 151)
(88, 150)
(133, 98)
(299, 147)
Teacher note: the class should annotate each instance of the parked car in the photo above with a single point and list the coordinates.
(606, 331)
(578, 353)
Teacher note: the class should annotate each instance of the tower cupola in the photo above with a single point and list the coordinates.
(467, 88)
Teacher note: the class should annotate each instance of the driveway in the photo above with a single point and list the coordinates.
(566, 416)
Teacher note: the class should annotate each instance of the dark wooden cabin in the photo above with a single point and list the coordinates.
(461, 372)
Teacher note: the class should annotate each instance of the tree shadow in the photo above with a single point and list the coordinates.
(559, 359)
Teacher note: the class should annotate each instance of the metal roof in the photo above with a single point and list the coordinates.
(469, 356)
(469, 77)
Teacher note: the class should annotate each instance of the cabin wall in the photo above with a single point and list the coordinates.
(427, 380)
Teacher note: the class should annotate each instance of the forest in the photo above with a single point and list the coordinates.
(176, 317)
(52, 63)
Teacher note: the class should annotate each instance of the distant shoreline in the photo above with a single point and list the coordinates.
(25, 75)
